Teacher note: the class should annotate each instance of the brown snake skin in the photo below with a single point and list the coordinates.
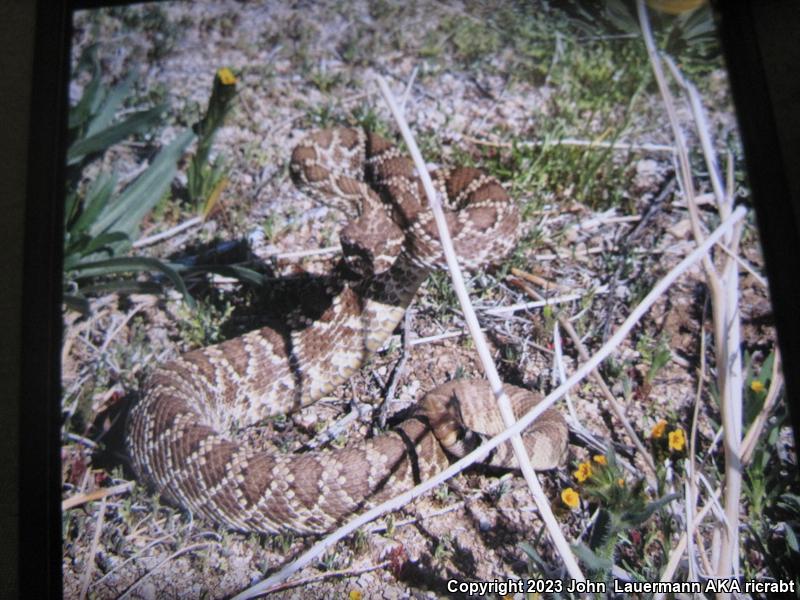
(181, 434)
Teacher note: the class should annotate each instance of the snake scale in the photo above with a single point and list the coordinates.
(182, 434)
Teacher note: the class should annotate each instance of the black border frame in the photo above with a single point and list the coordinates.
(40, 569)
(754, 35)
(759, 40)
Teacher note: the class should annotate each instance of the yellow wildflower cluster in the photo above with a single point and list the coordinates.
(584, 472)
(570, 497)
(757, 386)
(600, 459)
(677, 440)
(355, 595)
(659, 429)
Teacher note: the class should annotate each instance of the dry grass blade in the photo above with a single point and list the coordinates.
(98, 529)
(103, 493)
(621, 146)
(328, 575)
(164, 235)
(482, 348)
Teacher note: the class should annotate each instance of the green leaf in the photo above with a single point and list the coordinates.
(111, 103)
(143, 194)
(82, 111)
(105, 138)
(93, 93)
(243, 274)
(592, 561)
(77, 303)
(535, 557)
(698, 25)
(126, 264)
(123, 286)
(70, 206)
(105, 241)
(791, 538)
(637, 517)
(601, 530)
(765, 374)
(97, 197)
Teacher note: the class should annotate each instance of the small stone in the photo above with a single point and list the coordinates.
(681, 229)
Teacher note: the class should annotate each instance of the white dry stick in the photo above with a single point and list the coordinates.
(732, 382)
(577, 143)
(745, 265)
(524, 422)
(553, 528)
(677, 553)
(691, 461)
(100, 494)
(724, 291)
(505, 310)
(168, 233)
(435, 338)
(89, 568)
(407, 91)
(306, 253)
(560, 374)
(724, 201)
(683, 166)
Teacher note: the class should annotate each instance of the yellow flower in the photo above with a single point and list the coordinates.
(621, 482)
(226, 76)
(570, 497)
(600, 459)
(757, 386)
(583, 473)
(677, 440)
(354, 595)
(658, 429)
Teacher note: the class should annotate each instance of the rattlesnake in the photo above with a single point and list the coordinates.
(181, 433)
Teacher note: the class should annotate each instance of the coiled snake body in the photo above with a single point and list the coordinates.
(181, 433)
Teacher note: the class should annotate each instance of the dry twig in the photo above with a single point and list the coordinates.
(89, 569)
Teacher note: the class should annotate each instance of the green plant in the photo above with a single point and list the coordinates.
(324, 80)
(621, 507)
(772, 491)
(442, 296)
(205, 180)
(200, 326)
(655, 355)
(99, 222)
(756, 385)
(443, 549)
(689, 36)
